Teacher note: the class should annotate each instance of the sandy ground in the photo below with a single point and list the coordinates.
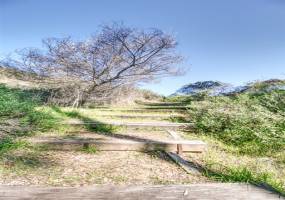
(33, 166)
(70, 168)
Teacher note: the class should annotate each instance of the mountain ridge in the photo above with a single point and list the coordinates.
(216, 88)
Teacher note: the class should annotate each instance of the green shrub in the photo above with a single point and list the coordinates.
(254, 123)
(22, 105)
(244, 175)
(89, 150)
(8, 144)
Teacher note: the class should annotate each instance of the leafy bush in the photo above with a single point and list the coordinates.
(244, 175)
(253, 122)
(8, 144)
(22, 106)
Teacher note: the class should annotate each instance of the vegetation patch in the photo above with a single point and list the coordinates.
(22, 107)
(8, 144)
(244, 174)
(89, 149)
(253, 123)
(245, 133)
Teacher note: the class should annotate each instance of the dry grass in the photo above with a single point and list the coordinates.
(71, 168)
(33, 165)
(223, 163)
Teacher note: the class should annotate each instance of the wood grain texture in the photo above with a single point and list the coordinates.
(174, 134)
(163, 125)
(189, 167)
(145, 110)
(213, 191)
(139, 116)
(122, 145)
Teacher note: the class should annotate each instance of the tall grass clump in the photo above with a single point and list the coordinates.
(254, 123)
(19, 113)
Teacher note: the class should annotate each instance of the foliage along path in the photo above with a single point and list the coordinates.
(73, 158)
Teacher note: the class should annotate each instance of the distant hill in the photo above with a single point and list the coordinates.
(16, 78)
(215, 88)
(267, 85)
(212, 87)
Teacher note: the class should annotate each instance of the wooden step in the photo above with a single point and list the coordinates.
(122, 145)
(139, 116)
(145, 110)
(134, 124)
(204, 191)
(164, 107)
(162, 103)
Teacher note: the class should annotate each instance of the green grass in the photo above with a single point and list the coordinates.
(240, 130)
(244, 175)
(8, 144)
(22, 105)
(20, 115)
(100, 127)
(254, 123)
(245, 128)
(89, 149)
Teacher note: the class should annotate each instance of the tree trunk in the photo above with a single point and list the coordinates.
(81, 98)
(76, 102)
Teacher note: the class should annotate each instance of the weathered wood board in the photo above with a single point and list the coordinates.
(123, 145)
(134, 124)
(139, 116)
(145, 110)
(211, 191)
(189, 167)
(174, 134)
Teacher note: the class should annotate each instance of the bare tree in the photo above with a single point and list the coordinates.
(117, 55)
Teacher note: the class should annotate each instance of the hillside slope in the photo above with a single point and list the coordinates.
(216, 88)
(64, 96)
(246, 131)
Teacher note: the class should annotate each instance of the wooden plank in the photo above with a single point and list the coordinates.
(122, 145)
(174, 134)
(176, 137)
(190, 168)
(145, 107)
(163, 107)
(179, 149)
(153, 107)
(139, 116)
(210, 191)
(146, 110)
(134, 124)
(162, 103)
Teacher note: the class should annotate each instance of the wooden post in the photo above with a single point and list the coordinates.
(179, 149)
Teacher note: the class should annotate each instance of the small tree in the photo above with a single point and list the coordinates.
(117, 55)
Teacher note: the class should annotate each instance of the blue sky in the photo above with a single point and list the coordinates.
(233, 41)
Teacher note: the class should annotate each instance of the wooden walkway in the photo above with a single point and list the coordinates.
(211, 191)
(173, 147)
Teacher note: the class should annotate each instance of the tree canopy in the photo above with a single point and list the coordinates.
(117, 55)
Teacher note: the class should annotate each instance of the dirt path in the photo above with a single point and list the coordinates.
(38, 165)
(80, 169)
